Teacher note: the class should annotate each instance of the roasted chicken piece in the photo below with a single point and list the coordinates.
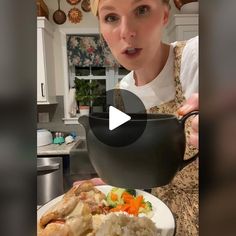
(59, 211)
(72, 216)
(55, 229)
(88, 194)
(76, 223)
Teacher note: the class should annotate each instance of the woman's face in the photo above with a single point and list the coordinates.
(133, 29)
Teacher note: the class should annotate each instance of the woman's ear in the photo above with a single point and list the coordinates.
(166, 15)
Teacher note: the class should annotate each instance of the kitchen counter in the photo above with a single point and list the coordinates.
(56, 149)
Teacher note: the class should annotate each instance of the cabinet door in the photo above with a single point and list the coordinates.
(46, 88)
(182, 27)
(41, 83)
(186, 32)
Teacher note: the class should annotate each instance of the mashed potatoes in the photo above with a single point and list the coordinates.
(124, 225)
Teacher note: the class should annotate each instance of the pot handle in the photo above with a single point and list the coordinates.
(182, 121)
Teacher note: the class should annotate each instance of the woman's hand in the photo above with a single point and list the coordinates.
(192, 104)
(95, 181)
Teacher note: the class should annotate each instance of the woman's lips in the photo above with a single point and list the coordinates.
(132, 52)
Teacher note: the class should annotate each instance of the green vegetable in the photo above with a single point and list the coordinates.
(115, 192)
(147, 208)
(131, 191)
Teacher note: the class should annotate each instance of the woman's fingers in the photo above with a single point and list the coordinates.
(95, 181)
(98, 181)
(191, 104)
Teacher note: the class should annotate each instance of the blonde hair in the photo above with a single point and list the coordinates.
(94, 5)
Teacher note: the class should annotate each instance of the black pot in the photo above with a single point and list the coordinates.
(151, 161)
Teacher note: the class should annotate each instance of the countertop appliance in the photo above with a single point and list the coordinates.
(44, 137)
(49, 178)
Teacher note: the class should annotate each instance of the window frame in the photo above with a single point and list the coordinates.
(111, 76)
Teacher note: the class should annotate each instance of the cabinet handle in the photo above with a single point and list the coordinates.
(55, 166)
(42, 90)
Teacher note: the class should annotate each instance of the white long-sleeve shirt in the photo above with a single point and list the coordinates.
(162, 88)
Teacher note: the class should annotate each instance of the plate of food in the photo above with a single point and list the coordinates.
(105, 210)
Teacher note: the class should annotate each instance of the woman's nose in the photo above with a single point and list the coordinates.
(127, 30)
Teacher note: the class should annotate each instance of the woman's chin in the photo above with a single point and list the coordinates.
(132, 62)
(132, 65)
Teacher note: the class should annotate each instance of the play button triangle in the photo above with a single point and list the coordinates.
(117, 118)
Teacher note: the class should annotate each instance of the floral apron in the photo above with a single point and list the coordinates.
(181, 195)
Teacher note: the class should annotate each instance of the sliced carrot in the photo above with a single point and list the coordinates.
(127, 197)
(125, 207)
(131, 204)
(133, 210)
(127, 194)
(138, 201)
(114, 197)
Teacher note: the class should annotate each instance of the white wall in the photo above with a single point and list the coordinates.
(88, 21)
(173, 10)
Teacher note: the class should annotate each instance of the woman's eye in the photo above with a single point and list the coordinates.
(142, 10)
(111, 18)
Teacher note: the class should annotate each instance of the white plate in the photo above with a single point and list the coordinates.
(162, 216)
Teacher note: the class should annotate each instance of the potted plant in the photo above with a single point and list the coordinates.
(100, 102)
(86, 92)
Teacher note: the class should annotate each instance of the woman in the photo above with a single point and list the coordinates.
(164, 77)
(133, 31)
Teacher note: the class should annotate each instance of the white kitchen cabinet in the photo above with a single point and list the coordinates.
(182, 27)
(46, 88)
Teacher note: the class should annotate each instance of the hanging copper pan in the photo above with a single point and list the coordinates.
(75, 15)
(59, 16)
(180, 3)
(85, 5)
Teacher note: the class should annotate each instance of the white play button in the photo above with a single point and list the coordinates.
(117, 118)
(103, 124)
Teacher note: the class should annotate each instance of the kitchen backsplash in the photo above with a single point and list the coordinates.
(56, 113)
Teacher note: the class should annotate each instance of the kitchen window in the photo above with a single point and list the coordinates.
(89, 58)
(108, 73)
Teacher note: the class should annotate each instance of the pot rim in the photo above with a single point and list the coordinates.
(143, 117)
